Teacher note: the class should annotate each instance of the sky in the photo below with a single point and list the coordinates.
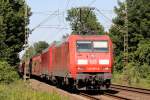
(56, 11)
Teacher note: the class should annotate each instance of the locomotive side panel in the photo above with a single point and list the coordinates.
(72, 66)
(60, 60)
(45, 62)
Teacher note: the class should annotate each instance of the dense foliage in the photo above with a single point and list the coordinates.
(39, 46)
(83, 21)
(138, 66)
(12, 26)
(7, 73)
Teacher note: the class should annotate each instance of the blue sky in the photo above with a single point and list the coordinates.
(44, 8)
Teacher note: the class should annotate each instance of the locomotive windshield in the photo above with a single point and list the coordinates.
(92, 46)
(84, 46)
(100, 46)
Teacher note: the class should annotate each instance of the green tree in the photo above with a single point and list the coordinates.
(139, 36)
(83, 21)
(117, 32)
(139, 22)
(39, 46)
(142, 54)
(12, 23)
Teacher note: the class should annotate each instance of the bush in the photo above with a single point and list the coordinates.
(118, 63)
(131, 73)
(7, 73)
(20, 90)
(144, 71)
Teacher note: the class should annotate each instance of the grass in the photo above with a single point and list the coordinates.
(119, 79)
(19, 91)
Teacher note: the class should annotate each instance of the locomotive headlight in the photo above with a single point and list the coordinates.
(82, 62)
(104, 62)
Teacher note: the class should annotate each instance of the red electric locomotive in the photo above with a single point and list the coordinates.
(84, 61)
(79, 61)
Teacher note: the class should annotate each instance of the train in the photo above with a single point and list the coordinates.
(78, 62)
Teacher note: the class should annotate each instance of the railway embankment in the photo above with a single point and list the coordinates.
(115, 93)
(64, 95)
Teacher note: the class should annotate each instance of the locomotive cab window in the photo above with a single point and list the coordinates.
(100, 46)
(84, 46)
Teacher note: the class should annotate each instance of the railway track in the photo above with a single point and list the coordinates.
(132, 89)
(118, 97)
(89, 96)
(98, 97)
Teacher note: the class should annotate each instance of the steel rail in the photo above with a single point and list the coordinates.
(105, 94)
(132, 89)
(89, 96)
(117, 97)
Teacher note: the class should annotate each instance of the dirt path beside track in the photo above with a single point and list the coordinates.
(41, 86)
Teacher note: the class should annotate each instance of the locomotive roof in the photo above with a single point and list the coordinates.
(55, 43)
(58, 43)
(90, 35)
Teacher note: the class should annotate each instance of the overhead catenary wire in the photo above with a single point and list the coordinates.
(104, 21)
(44, 21)
(47, 13)
(55, 27)
(58, 32)
(116, 26)
(66, 7)
(55, 13)
(80, 12)
(58, 13)
(51, 25)
(103, 14)
(92, 2)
